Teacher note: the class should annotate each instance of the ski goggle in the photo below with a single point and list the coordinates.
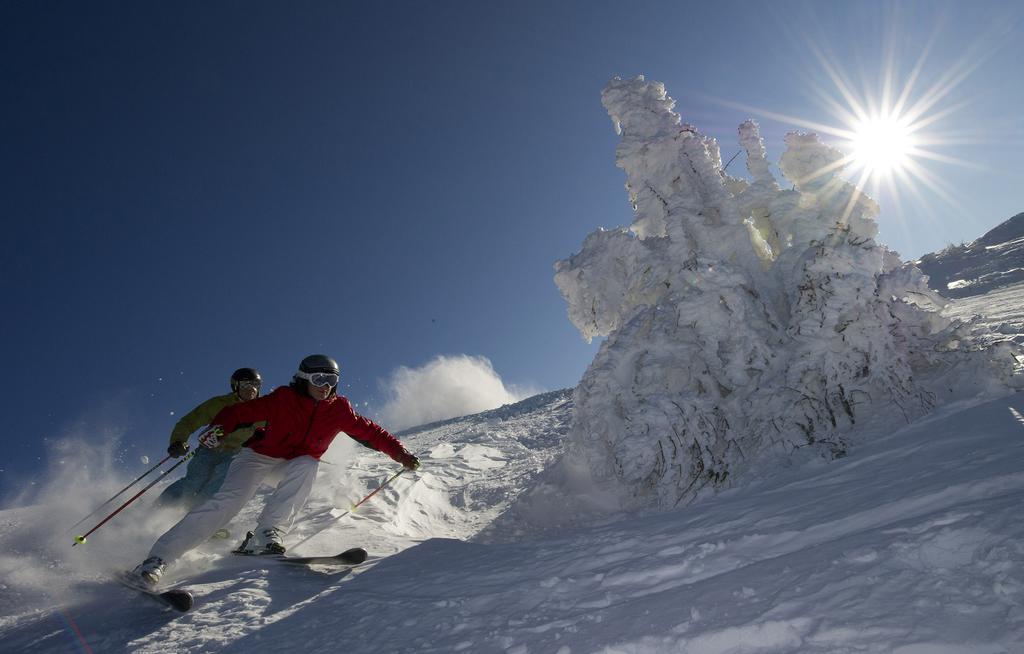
(254, 385)
(319, 378)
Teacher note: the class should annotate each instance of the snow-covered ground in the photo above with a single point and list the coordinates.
(1000, 309)
(912, 544)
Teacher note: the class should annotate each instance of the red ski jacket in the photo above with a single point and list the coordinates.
(297, 425)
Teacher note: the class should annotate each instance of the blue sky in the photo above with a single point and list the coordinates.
(193, 187)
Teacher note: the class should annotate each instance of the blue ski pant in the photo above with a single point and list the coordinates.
(203, 477)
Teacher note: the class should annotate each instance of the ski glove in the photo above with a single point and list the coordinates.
(177, 449)
(211, 437)
(409, 461)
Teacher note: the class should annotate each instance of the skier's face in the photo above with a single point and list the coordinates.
(318, 392)
(248, 392)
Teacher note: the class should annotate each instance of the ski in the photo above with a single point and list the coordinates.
(353, 556)
(178, 599)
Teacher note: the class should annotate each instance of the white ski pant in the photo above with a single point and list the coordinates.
(244, 476)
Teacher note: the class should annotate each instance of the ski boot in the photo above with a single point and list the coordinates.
(262, 542)
(150, 571)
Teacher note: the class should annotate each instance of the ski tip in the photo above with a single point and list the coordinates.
(354, 555)
(179, 600)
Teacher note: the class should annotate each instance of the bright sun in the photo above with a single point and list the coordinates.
(881, 144)
(887, 134)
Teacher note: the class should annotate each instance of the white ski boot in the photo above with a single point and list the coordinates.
(150, 571)
(263, 541)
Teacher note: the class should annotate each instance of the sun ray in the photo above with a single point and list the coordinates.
(915, 72)
(935, 156)
(943, 87)
(852, 101)
(825, 170)
(937, 116)
(837, 109)
(894, 187)
(927, 178)
(855, 195)
(791, 120)
(963, 137)
(908, 187)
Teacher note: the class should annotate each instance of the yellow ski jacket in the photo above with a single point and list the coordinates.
(203, 414)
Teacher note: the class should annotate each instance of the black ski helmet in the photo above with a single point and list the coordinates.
(319, 363)
(245, 374)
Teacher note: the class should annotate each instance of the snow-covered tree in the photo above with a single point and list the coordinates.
(742, 319)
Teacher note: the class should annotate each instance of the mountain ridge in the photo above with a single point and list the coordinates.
(994, 260)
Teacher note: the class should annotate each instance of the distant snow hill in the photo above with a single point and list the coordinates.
(993, 261)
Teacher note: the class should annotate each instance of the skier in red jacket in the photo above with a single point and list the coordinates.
(299, 423)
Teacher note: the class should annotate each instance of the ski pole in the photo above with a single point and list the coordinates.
(137, 480)
(379, 489)
(354, 506)
(80, 540)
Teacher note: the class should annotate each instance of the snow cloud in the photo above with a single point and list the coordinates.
(446, 387)
(87, 463)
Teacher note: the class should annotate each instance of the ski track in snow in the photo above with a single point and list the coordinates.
(911, 544)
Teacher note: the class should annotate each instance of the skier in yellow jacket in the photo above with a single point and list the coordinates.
(207, 468)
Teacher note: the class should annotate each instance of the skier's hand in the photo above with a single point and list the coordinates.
(211, 437)
(177, 449)
(409, 461)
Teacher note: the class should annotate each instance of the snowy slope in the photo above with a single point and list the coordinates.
(1000, 309)
(911, 544)
(473, 468)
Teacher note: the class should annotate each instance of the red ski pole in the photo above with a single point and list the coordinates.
(137, 479)
(354, 506)
(80, 540)
(379, 489)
